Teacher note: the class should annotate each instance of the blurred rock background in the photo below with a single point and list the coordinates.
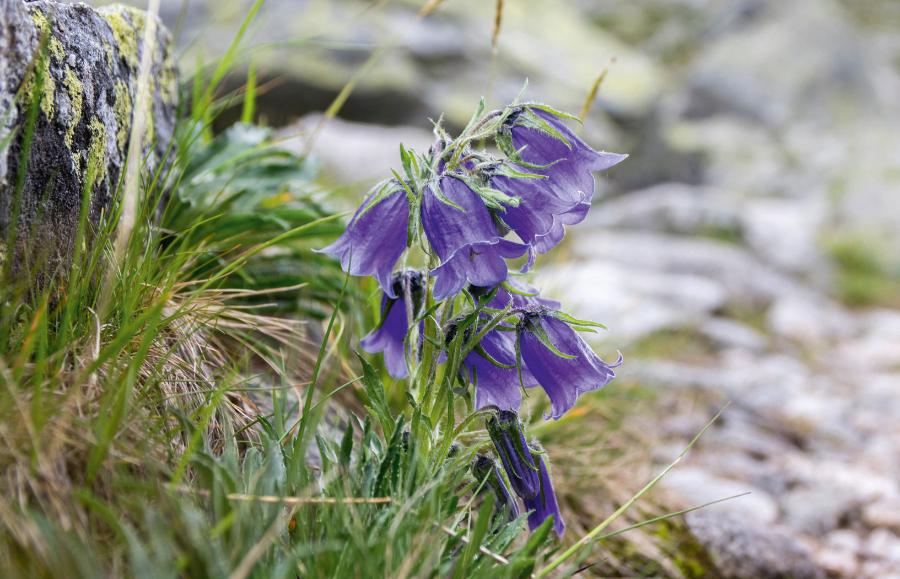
(747, 251)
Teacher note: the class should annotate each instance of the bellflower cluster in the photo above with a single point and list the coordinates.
(472, 218)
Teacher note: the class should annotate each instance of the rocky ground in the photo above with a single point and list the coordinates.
(743, 253)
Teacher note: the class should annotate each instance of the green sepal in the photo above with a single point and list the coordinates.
(555, 112)
(587, 325)
(538, 331)
(483, 353)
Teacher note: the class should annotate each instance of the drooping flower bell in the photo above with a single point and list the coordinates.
(535, 138)
(507, 433)
(491, 369)
(389, 337)
(465, 238)
(484, 469)
(561, 361)
(376, 236)
(544, 504)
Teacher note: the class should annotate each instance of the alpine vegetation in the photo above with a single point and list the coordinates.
(441, 240)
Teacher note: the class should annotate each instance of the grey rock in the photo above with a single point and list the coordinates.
(883, 544)
(738, 73)
(84, 116)
(883, 513)
(745, 279)
(354, 153)
(743, 549)
(819, 509)
(839, 562)
(809, 319)
(696, 487)
(671, 208)
(785, 232)
(727, 333)
(633, 302)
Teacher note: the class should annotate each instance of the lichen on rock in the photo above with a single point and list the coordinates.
(89, 71)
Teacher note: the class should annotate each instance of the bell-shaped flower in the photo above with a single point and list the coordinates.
(389, 337)
(491, 369)
(481, 264)
(544, 503)
(462, 233)
(539, 139)
(508, 436)
(561, 187)
(484, 469)
(560, 360)
(376, 236)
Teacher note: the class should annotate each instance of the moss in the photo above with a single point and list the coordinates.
(863, 276)
(689, 556)
(684, 344)
(122, 111)
(126, 23)
(76, 96)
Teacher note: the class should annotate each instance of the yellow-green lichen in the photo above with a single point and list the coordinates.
(48, 90)
(108, 53)
(96, 160)
(43, 25)
(126, 24)
(168, 79)
(122, 111)
(76, 97)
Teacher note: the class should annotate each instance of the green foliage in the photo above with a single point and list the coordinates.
(864, 277)
(239, 189)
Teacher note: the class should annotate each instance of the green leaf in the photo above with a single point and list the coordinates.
(377, 399)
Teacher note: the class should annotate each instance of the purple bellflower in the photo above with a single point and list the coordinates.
(389, 337)
(563, 377)
(376, 236)
(484, 468)
(544, 504)
(491, 367)
(507, 434)
(545, 146)
(496, 386)
(463, 234)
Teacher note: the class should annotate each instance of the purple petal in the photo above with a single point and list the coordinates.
(544, 504)
(495, 386)
(564, 379)
(448, 229)
(573, 163)
(390, 337)
(374, 239)
(481, 264)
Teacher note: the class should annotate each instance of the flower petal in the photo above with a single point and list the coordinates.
(390, 337)
(564, 380)
(496, 386)
(375, 238)
(481, 264)
(450, 228)
(544, 504)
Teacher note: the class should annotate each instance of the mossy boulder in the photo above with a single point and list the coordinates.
(74, 70)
